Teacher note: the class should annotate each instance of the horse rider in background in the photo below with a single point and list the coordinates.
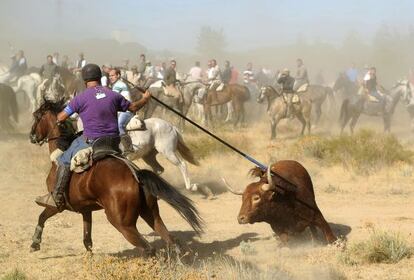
(80, 63)
(106, 68)
(170, 80)
(196, 73)
(226, 73)
(119, 86)
(370, 85)
(301, 75)
(213, 79)
(150, 75)
(18, 67)
(142, 65)
(47, 72)
(287, 82)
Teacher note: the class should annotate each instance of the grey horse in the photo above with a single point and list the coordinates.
(277, 109)
(354, 104)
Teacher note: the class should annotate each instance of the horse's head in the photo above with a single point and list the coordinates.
(340, 82)
(266, 92)
(45, 119)
(402, 89)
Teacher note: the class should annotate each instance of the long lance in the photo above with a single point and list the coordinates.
(281, 182)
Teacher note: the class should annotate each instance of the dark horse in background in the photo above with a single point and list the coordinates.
(8, 108)
(110, 184)
(353, 104)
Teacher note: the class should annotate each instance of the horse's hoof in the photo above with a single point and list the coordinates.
(34, 247)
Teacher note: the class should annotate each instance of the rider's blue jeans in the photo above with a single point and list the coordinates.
(123, 119)
(77, 145)
(377, 95)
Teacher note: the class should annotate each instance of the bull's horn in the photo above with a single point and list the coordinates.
(269, 177)
(230, 188)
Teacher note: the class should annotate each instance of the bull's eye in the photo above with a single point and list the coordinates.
(256, 198)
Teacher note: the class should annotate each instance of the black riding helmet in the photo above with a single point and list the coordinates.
(91, 72)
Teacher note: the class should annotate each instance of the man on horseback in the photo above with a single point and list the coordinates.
(170, 80)
(18, 67)
(98, 108)
(47, 72)
(120, 87)
(370, 85)
(213, 79)
(287, 82)
(301, 75)
(226, 74)
(196, 73)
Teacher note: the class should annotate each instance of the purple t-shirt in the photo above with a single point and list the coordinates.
(98, 107)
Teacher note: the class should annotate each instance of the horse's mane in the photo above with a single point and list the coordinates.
(54, 107)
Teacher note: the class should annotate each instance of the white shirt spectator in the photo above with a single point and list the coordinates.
(196, 73)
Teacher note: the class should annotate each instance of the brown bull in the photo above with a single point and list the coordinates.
(287, 212)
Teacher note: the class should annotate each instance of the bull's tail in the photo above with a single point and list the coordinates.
(344, 110)
(184, 151)
(158, 187)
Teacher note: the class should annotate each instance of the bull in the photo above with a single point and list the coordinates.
(287, 211)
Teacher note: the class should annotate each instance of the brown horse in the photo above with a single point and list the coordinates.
(237, 94)
(73, 85)
(109, 184)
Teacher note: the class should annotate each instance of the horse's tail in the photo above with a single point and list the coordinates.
(184, 151)
(344, 110)
(14, 110)
(158, 187)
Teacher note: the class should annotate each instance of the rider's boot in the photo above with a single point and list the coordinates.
(126, 143)
(63, 175)
(57, 199)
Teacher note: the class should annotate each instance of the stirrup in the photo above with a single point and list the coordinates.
(46, 201)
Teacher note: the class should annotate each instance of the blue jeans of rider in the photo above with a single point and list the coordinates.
(377, 95)
(123, 119)
(77, 145)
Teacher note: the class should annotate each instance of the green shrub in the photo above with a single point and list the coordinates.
(364, 151)
(16, 274)
(380, 247)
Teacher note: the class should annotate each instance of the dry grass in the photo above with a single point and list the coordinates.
(364, 152)
(16, 274)
(164, 267)
(380, 247)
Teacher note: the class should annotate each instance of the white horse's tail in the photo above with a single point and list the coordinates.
(184, 151)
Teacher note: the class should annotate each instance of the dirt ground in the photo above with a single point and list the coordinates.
(351, 203)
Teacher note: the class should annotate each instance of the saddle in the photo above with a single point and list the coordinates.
(303, 88)
(295, 98)
(101, 148)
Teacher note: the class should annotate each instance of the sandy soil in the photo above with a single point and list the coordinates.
(353, 206)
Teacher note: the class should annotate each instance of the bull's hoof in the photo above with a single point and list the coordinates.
(34, 247)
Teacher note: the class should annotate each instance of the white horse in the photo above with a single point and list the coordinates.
(29, 84)
(26, 83)
(153, 136)
(54, 92)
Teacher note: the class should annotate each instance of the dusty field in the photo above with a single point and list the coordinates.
(352, 203)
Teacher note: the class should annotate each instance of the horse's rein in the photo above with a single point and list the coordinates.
(47, 139)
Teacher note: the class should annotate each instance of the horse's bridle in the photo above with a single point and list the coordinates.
(47, 139)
